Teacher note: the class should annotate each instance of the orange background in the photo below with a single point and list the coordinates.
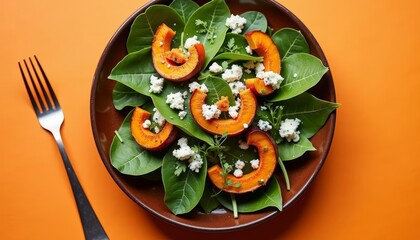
(368, 188)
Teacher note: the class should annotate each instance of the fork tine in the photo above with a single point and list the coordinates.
(44, 93)
(28, 89)
(50, 89)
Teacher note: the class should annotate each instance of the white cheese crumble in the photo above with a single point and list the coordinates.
(233, 110)
(259, 68)
(232, 74)
(215, 68)
(182, 114)
(239, 164)
(210, 111)
(263, 108)
(195, 163)
(288, 129)
(246, 125)
(243, 145)
(195, 85)
(184, 151)
(264, 125)
(158, 118)
(146, 124)
(236, 23)
(238, 173)
(271, 78)
(248, 50)
(237, 87)
(191, 41)
(175, 100)
(255, 163)
(156, 84)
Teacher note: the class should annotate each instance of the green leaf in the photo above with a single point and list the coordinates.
(313, 112)
(300, 71)
(254, 21)
(263, 197)
(208, 202)
(183, 192)
(184, 8)
(214, 14)
(291, 150)
(135, 70)
(123, 96)
(236, 57)
(290, 41)
(188, 124)
(217, 88)
(144, 26)
(128, 157)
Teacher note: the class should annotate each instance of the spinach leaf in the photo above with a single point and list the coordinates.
(208, 24)
(254, 21)
(236, 57)
(128, 157)
(188, 124)
(301, 71)
(144, 26)
(313, 112)
(184, 8)
(135, 70)
(290, 150)
(207, 201)
(263, 197)
(183, 192)
(234, 48)
(123, 96)
(217, 88)
(290, 41)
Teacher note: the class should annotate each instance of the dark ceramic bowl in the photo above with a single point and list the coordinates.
(105, 119)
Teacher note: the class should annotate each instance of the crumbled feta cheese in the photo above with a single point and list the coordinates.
(239, 164)
(158, 118)
(233, 74)
(263, 108)
(233, 110)
(156, 84)
(184, 151)
(182, 114)
(246, 125)
(191, 41)
(288, 129)
(146, 124)
(156, 129)
(195, 163)
(215, 68)
(195, 85)
(271, 78)
(238, 173)
(264, 125)
(210, 111)
(237, 87)
(259, 69)
(248, 50)
(255, 163)
(243, 145)
(236, 23)
(175, 100)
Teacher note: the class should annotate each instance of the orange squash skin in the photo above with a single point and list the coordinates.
(267, 150)
(147, 139)
(264, 46)
(168, 69)
(218, 126)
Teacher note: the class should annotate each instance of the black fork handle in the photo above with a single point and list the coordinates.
(92, 228)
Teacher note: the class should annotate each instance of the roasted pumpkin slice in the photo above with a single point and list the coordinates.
(264, 46)
(146, 138)
(218, 126)
(172, 64)
(267, 151)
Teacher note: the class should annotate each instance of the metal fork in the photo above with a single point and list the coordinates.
(51, 117)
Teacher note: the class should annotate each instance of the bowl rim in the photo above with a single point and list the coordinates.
(127, 24)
